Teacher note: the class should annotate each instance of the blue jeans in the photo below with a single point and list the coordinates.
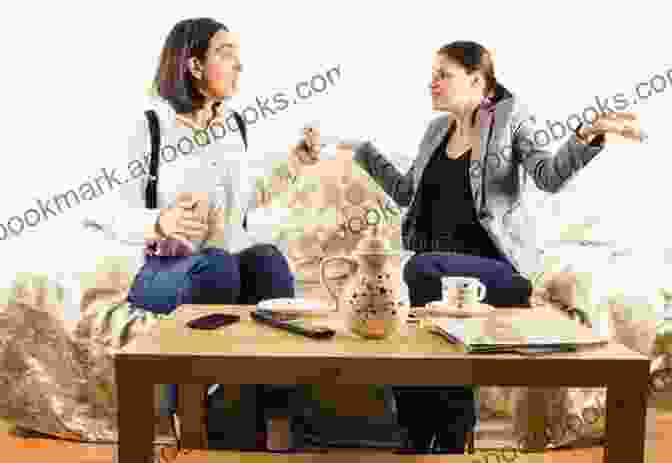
(444, 415)
(215, 276)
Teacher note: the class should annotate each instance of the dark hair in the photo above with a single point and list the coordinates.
(173, 81)
(472, 57)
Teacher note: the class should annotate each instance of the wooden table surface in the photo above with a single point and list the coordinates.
(259, 354)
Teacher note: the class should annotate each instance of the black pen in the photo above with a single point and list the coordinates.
(293, 326)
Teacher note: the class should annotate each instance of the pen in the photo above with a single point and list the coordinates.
(293, 326)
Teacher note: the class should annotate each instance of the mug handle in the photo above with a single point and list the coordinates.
(354, 266)
(481, 291)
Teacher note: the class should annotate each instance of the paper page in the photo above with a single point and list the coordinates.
(529, 330)
(464, 331)
(539, 331)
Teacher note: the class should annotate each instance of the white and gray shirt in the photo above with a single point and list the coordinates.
(214, 162)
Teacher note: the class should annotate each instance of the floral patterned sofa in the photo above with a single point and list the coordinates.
(59, 330)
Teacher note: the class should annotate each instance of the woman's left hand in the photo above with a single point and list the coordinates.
(217, 219)
(308, 149)
(624, 124)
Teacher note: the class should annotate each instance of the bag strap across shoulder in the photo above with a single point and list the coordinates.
(242, 127)
(243, 133)
(155, 136)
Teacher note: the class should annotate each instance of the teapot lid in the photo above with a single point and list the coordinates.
(374, 243)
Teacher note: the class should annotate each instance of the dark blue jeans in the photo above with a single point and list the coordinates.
(444, 415)
(215, 276)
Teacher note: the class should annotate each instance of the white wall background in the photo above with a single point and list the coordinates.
(75, 73)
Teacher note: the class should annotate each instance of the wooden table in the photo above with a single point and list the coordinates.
(258, 354)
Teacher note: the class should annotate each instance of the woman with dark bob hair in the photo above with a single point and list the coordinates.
(467, 214)
(194, 218)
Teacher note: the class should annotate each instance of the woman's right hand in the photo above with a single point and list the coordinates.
(187, 220)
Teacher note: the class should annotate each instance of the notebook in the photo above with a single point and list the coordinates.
(521, 334)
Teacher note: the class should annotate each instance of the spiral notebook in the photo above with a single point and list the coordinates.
(523, 334)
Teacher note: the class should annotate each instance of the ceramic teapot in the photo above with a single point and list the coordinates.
(370, 299)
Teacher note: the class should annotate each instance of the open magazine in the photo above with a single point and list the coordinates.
(528, 335)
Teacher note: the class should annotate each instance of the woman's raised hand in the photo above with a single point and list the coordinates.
(324, 147)
(307, 151)
(618, 123)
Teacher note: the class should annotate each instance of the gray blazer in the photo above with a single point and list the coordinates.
(512, 163)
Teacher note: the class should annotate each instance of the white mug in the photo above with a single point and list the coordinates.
(462, 291)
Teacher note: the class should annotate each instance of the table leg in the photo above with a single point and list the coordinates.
(191, 405)
(135, 414)
(626, 422)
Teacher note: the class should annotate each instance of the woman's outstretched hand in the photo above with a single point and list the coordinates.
(307, 151)
(624, 124)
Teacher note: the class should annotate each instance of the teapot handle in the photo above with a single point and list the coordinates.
(323, 278)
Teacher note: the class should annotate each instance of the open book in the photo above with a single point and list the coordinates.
(521, 334)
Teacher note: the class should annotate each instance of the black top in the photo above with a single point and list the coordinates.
(447, 218)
